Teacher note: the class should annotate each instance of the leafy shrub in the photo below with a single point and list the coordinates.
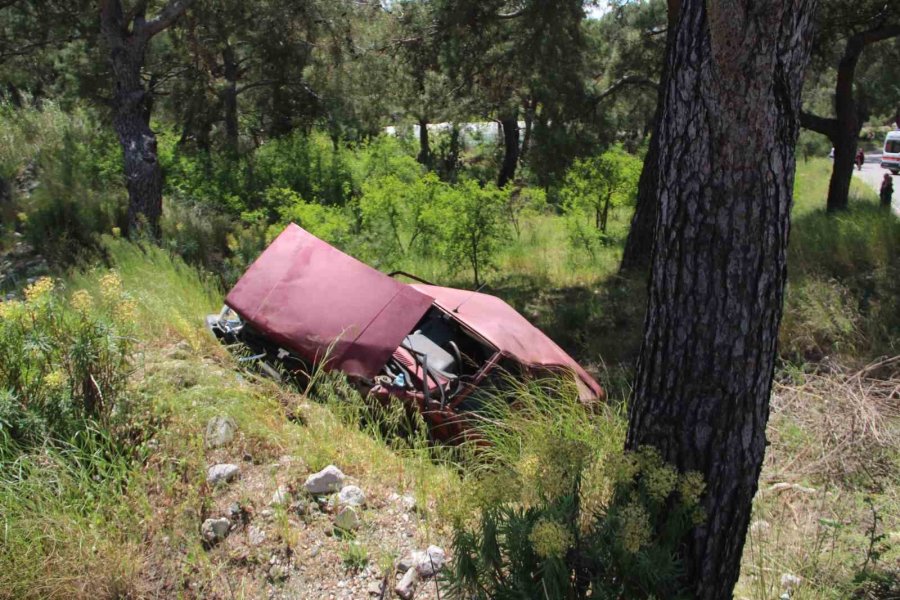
(395, 214)
(470, 222)
(71, 202)
(330, 223)
(308, 164)
(62, 366)
(592, 188)
(562, 513)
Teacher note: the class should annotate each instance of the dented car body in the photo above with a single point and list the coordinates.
(304, 303)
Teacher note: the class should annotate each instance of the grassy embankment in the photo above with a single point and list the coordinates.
(96, 520)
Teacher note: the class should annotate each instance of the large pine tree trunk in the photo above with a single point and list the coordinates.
(639, 243)
(127, 38)
(230, 99)
(509, 123)
(131, 121)
(424, 156)
(726, 143)
(849, 120)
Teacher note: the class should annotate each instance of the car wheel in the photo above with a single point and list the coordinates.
(895, 171)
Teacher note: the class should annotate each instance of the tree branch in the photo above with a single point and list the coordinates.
(624, 81)
(827, 127)
(166, 17)
(885, 32)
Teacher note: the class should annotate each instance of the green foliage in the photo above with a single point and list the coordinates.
(69, 164)
(329, 223)
(396, 215)
(62, 366)
(562, 513)
(592, 188)
(471, 221)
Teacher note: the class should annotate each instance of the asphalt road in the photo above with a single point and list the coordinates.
(873, 174)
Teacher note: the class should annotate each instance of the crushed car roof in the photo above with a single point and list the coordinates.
(312, 298)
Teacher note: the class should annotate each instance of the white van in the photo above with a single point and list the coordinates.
(890, 157)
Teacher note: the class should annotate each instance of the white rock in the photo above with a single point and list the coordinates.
(406, 587)
(327, 481)
(406, 501)
(783, 486)
(281, 496)
(215, 530)
(220, 431)
(790, 581)
(255, 535)
(350, 495)
(431, 561)
(347, 519)
(222, 473)
(760, 527)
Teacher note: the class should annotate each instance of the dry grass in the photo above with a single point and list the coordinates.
(828, 508)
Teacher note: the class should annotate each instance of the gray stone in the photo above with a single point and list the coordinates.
(406, 588)
(375, 588)
(789, 581)
(215, 530)
(220, 431)
(350, 495)
(255, 535)
(222, 473)
(347, 519)
(327, 481)
(431, 561)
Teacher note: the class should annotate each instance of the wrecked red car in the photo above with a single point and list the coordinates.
(304, 303)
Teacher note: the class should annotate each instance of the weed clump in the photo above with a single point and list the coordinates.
(561, 512)
(64, 365)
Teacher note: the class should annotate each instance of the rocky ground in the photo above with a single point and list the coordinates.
(276, 529)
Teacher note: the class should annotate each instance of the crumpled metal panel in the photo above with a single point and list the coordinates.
(310, 297)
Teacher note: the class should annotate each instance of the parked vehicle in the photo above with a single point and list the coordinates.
(304, 303)
(890, 156)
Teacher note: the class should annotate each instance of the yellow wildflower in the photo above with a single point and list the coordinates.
(10, 309)
(691, 487)
(82, 301)
(110, 286)
(634, 526)
(39, 289)
(550, 539)
(55, 380)
(126, 310)
(660, 480)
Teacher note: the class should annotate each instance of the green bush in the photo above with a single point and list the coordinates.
(64, 366)
(71, 165)
(562, 513)
(593, 188)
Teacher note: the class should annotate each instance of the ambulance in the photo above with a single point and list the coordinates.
(890, 157)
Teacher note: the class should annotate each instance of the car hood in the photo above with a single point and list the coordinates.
(507, 330)
(310, 297)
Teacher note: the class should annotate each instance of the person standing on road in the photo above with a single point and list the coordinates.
(860, 159)
(887, 190)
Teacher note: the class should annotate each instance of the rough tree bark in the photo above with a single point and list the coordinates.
(726, 144)
(850, 115)
(424, 157)
(230, 98)
(639, 243)
(509, 123)
(127, 36)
